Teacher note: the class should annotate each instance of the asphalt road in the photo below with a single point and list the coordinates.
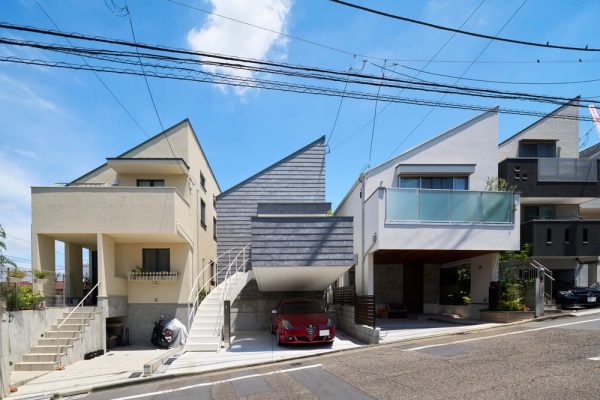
(538, 360)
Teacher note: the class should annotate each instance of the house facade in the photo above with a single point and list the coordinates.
(558, 186)
(296, 247)
(147, 219)
(427, 232)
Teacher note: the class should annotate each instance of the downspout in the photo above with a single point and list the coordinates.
(362, 223)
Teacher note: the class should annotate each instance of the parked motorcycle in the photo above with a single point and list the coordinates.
(161, 337)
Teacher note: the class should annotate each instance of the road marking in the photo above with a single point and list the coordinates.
(594, 358)
(238, 378)
(501, 335)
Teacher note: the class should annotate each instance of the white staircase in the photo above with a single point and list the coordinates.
(206, 317)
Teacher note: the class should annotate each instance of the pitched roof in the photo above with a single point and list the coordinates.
(270, 167)
(570, 103)
(150, 140)
(590, 151)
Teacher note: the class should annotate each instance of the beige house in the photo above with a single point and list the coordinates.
(148, 220)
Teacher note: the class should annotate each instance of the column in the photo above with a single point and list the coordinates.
(42, 258)
(74, 270)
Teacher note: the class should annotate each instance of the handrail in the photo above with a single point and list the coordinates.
(224, 293)
(193, 300)
(69, 316)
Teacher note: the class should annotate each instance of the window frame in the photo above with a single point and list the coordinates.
(433, 179)
(152, 182)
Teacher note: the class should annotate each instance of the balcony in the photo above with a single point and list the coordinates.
(448, 206)
(147, 212)
(562, 238)
(417, 219)
(553, 178)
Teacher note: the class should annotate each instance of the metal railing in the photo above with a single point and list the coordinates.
(194, 296)
(547, 275)
(448, 206)
(58, 345)
(231, 272)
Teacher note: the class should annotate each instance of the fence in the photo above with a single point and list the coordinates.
(364, 306)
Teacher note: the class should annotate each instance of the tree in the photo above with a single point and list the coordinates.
(495, 184)
(5, 262)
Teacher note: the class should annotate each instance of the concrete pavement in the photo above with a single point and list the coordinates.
(549, 359)
(125, 366)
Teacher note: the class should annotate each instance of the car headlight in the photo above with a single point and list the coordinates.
(329, 323)
(286, 324)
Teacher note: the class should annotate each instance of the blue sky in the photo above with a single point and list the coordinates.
(58, 124)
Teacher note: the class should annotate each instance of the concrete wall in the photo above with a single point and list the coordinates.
(140, 319)
(565, 131)
(344, 321)
(4, 364)
(27, 327)
(251, 310)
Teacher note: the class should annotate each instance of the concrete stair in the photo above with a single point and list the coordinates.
(53, 347)
(205, 334)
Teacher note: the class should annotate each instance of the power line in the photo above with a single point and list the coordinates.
(501, 82)
(431, 59)
(319, 73)
(546, 45)
(287, 87)
(458, 79)
(114, 96)
(337, 115)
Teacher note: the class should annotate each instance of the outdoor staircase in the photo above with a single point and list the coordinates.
(55, 347)
(550, 307)
(206, 330)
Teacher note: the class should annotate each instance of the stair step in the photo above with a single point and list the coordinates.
(49, 349)
(209, 347)
(47, 357)
(69, 327)
(74, 321)
(62, 334)
(80, 314)
(36, 366)
(56, 342)
(202, 331)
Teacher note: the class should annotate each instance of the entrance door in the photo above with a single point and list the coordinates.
(413, 287)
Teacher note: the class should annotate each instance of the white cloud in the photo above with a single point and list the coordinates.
(219, 35)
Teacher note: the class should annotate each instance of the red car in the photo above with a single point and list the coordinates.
(298, 321)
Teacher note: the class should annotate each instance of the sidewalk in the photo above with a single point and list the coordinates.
(125, 366)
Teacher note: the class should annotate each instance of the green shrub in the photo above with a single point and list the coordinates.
(21, 297)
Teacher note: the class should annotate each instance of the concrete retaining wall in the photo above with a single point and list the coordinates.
(140, 319)
(344, 321)
(4, 368)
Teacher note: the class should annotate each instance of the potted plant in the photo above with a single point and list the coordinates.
(15, 275)
(41, 277)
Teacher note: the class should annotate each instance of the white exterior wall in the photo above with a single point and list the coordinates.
(564, 131)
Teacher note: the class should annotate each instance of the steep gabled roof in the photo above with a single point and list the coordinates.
(185, 121)
(415, 149)
(590, 151)
(270, 167)
(549, 115)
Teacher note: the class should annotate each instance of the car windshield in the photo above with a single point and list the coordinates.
(595, 286)
(301, 307)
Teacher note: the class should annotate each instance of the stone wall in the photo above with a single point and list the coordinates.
(344, 321)
(388, 284)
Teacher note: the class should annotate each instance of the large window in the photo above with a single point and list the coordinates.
(434, 182)
(203, 213)
(537, 149)
(156, 260)
(150, 182)
(455, 284)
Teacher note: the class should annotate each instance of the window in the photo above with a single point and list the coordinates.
(150, 182)
(434, 182)
(585, 235)
(215, 228)
(203, 213)
(202, 181)
(455, 284)
(538, 212)
(537, 149)
(548, 235)
(156, 260)
(567, 236)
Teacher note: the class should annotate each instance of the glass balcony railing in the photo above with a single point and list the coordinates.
(448, 206)
(567, 170)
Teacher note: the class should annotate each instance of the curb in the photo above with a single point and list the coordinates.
(155, 378)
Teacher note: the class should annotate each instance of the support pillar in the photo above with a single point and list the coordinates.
(365, 280)
(74, 270)
(43, 258)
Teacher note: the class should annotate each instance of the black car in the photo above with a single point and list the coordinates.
(580, 296)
